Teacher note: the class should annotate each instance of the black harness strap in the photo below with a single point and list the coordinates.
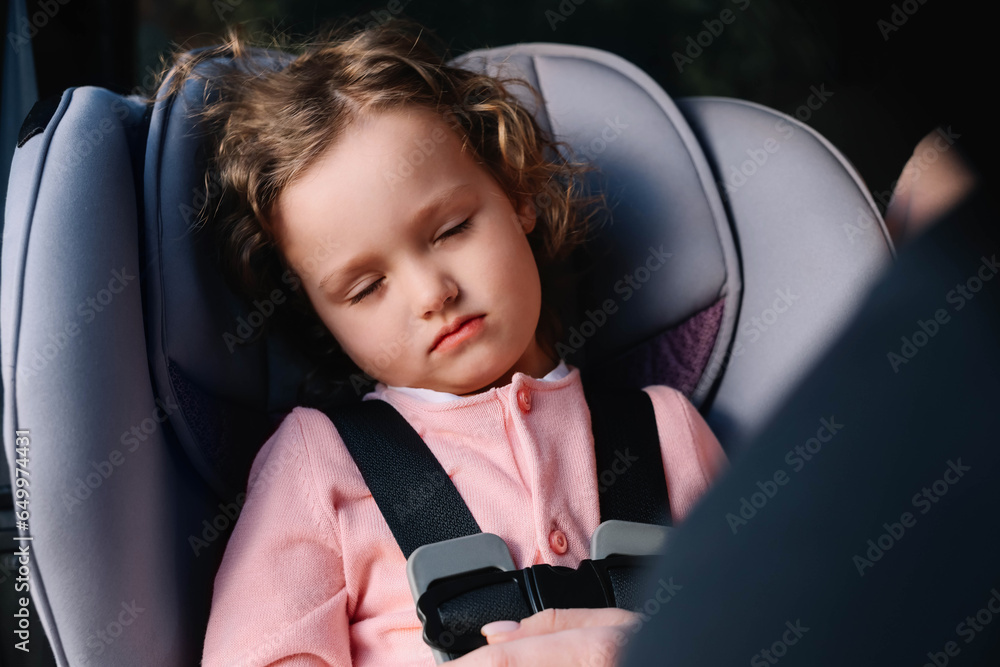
(417, 498)
(630, 476)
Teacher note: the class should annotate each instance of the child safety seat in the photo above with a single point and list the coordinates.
(741, 242)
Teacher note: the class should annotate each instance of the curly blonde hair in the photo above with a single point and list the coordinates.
(269, 119)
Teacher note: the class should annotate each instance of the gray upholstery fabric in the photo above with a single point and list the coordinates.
(112, 501)
(223, 387)
(143, 421)
(811, 242)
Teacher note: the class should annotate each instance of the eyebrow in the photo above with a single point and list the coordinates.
(431, 207)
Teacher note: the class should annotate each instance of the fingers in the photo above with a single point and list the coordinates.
(556, 620)
(576, 647)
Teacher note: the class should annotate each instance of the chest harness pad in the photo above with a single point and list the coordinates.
(394, 460)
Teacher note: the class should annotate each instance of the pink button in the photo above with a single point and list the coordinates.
(558, 542)
(524, 399)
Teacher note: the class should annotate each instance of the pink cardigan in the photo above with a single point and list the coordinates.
(312, 575)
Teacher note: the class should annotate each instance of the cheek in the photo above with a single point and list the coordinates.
(513, 276)
(350, 333)
(510, 258)
(523, 268)
(375, 342)
(345, 330)
(361, 349)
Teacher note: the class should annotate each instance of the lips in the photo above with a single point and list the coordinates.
(451, 328)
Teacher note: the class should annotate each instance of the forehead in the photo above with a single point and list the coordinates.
(378, 174)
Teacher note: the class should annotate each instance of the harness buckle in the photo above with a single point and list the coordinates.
(459, 585)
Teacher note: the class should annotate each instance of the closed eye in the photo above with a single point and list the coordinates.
(457, 229)
(374, 287)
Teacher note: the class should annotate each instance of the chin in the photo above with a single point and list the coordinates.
(482, 381)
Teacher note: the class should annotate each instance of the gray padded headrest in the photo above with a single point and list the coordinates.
(221, 388)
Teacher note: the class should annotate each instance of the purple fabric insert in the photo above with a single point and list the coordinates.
(677, 357)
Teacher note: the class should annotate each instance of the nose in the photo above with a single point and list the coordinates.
(433, 288)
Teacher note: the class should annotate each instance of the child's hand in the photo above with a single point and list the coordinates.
(558, 638)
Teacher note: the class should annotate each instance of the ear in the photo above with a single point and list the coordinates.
(526, 215)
